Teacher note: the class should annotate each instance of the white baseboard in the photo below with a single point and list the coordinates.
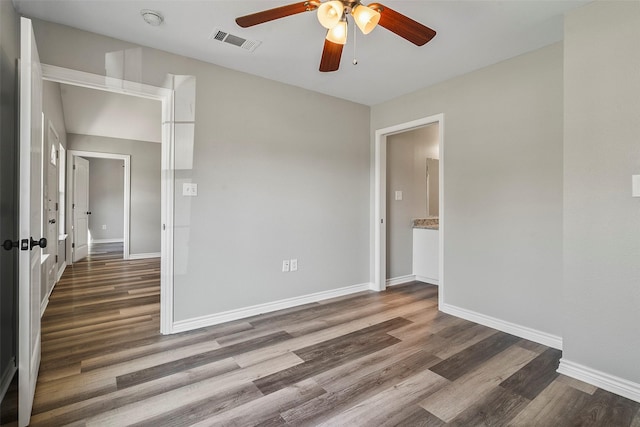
(504, 326)
(401, 280)
(240, 313)
(144, 256)
(617, 385)
(428, 280)
(107, 240)
(61, 271)
(43, 306)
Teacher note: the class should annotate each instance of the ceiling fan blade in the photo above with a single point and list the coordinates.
(276, 13)
(403, 26)
(331, 55)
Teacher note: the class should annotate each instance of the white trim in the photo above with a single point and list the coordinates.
(241, 313)
(380, 203)
(504, 326)
(428, 280)
(400, 280)
(617, 385)
(45, 301)
(166, 96)
(107, 241)
(145, 256)
(7, 377)
(63, 266)
(43, 305)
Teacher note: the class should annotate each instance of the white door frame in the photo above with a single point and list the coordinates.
(379, 224)
(166, 97)
(126, 158)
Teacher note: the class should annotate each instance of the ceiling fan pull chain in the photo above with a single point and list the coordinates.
(355, 60)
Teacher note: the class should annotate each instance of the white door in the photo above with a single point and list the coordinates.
(80, 208)
(30, 211)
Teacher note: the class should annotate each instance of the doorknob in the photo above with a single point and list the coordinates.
(89, 213)
(10, 244)
(42, 243)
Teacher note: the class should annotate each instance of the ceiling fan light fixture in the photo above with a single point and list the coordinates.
(366, 18)
(330, 13)
(338, 34)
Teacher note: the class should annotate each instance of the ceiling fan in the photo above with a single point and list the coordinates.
(332, 15)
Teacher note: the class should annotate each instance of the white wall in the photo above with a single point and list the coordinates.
(502, 163)
(407, 153)
(106, 198)
(601, 219)
(144, 234)
(274, 181)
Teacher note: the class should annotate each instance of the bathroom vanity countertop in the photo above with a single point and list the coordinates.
(426, 223)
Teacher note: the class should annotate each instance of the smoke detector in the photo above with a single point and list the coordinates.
(152, 17)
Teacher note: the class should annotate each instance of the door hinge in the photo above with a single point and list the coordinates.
(56, 205)
(73, 206)
(56, 259)
(73, 245)
(74, 167)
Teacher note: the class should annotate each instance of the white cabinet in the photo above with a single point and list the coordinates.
(426, 245)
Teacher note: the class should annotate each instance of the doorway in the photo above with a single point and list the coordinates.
(166, 97)
(379, 224)
(78, 211)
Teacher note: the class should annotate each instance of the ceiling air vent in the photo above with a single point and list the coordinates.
(225, 37)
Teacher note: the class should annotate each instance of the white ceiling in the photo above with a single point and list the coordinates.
(471, 34)
(100, 113)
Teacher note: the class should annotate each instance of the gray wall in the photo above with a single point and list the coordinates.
(407, 153)
(52, 109)
(274, 181)
(144, 234)
(106, 198)
(502, 160)
(9, 53)
(601, 219)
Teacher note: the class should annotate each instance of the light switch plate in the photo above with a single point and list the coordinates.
(399, 195)
(189, 189)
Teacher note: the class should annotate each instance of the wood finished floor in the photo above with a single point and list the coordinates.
(371, 359)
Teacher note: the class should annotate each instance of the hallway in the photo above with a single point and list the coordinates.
(100, 307)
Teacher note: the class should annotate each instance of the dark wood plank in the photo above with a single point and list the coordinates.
(325, 359)
(415, 416)
(606, 409)
(149, 374)
(470, 358)
(535, 376)
(204, 408)
(496, 409)
(334, 346)
(323, 407)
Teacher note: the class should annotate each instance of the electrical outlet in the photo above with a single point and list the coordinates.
(104, 226)
(285, 266)
(294, 265)
(189, 189)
